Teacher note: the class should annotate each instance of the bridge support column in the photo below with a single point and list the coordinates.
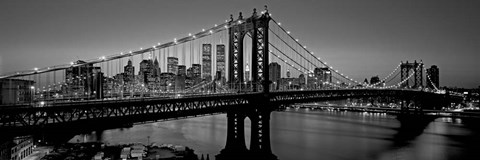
(260, 147)
(235, 147)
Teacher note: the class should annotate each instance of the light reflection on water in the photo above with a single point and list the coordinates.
(309, 135)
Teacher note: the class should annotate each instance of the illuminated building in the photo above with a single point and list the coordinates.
(207, 61)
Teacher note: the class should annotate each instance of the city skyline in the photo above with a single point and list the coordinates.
(150, 79)
(377, 35)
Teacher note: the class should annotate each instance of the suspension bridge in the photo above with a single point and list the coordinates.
(245, 67)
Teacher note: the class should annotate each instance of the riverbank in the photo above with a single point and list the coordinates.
(132, 151)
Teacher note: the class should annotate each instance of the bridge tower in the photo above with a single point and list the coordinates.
(415, 68)
(258, 112)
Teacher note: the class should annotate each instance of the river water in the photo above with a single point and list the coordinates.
(303, 134)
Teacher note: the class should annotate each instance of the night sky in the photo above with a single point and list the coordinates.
(360, 38)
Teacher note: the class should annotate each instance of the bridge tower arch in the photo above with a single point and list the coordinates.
(257, 27)
(258, 111)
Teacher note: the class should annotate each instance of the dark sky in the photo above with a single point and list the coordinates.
(361, 38)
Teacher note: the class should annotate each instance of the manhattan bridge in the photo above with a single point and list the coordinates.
(246, 67)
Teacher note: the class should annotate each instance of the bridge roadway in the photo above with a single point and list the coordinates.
(110, 112)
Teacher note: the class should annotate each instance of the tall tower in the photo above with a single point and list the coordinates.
(207, 61)
(433, 79)
(221, 60)
(129, 70)
(247, 73)
(411, 72)
(259, 113)
(172, 64)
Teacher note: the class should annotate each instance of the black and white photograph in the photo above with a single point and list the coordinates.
(239, 79)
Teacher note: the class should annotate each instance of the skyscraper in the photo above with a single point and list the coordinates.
(433, 79)
(172, 65)
(221, 59)
(247, 73)
(196, 70)
(146, 71)
(129, 70)
(207, 61)
(326, 75)
(156, 68)
(274, 71)
(80, 79)
(182, 70)
(375, 80)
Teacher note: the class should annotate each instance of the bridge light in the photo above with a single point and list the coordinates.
(211, 32)
(295, 39)
(226, 26)
(36, 69)
(203, 30)
(194, 37)
(215, 25)
(189, 34)
(288, 32)
(71, 63)
(278, 23)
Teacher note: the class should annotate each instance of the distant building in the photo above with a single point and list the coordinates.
(156, 68)
(207, 61)
(98, 81)
(375, 80)
(221, 60)
(146, 71)
(167, 82)
(434, 77)
(275, 73)
(196, 69)
(79, 80)
(180, 83)
(16, 91)
(172, 65)
(301, 79)
(20, 147)
(288, 73)
(366, 81)
(190, 73)
(129, 72)
(247, 73)
(324, 74)
(182, 70)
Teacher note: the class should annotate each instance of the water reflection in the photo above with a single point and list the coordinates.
(313, 135)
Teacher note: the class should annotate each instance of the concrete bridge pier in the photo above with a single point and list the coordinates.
(260, 148)
(235, 147)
